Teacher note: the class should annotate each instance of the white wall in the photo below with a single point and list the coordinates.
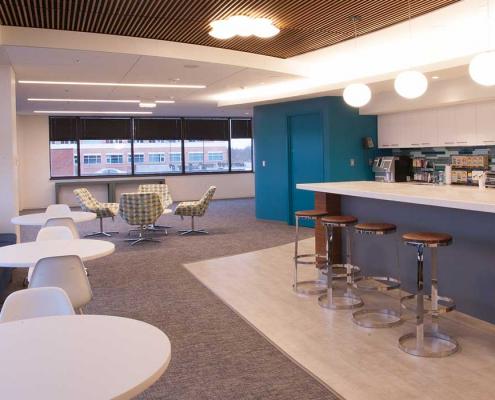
(37, 191)
(9, 194)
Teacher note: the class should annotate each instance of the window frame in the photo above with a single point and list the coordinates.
(182, 154)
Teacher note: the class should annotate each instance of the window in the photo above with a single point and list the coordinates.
(138, 158)
(105, 157)
(215, 156)
(92, 159)
(241, 154)
(176, 157)
(207, 155)
(89, 146)
(156, 157)
(63, 158)
(115, 158)
(195, 156)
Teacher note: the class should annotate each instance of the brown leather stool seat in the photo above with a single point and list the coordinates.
(311, 213)
(375, 227)
(428, 238)
(339, 220)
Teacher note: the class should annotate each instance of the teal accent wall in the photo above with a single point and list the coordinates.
(343, 129)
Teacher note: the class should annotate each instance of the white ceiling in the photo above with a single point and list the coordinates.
(31, 63)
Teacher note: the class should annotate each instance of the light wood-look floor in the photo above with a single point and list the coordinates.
(355, 362)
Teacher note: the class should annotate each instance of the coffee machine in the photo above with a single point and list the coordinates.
(392, 168)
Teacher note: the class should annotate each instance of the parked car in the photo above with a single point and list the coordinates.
(110, 171)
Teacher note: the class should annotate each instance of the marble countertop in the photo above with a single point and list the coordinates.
(449, 196)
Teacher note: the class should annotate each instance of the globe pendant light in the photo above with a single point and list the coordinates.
(357, 94)
(482, 68)
(411, 84)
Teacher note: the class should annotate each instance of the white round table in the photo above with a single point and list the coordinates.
(80, 357)
(39, 219)
(29, 253)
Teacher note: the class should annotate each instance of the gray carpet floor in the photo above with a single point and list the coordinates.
(215, 354)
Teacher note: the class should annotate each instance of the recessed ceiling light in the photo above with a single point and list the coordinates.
(91, 112)
(435, 77)
(150, 85)
(147, 104)
(95, 100)
(244, 26)
(164, 101)
(191, 66)
(85, 100)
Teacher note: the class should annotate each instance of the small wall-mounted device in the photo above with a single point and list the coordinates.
(368, 142)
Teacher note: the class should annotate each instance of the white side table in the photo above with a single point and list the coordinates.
(80, 357)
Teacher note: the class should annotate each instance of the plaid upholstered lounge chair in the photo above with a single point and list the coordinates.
(165, 198)
(141, 209)
(195, 209)
(102, 210)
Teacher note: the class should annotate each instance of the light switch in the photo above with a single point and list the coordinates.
(263, 163)
(352, 162)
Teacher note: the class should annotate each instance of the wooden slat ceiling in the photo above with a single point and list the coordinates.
(305, 25)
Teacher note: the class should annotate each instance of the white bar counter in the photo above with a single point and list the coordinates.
(450, 196)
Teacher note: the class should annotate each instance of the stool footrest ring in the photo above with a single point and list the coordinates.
(320, 264)
(383, 283)
(445, 304)
(339, 271)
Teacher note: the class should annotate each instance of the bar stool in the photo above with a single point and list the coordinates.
(377, 317)
(346, 299)
(421, 343)
(318, 285)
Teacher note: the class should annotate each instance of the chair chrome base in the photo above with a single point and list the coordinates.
(339, 272)
(310, 287)
(101, 232)
(377, 283)
(107, 234)
(376, 318)
(434, 344)
(141, 239)
(345, 301)
(183, 232)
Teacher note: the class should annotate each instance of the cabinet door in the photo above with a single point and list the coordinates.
(420, 129)
(485, 123)
(385, 131)
(465, 121)
(457, 125)
(447, 126)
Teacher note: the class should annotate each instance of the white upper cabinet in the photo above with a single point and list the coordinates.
(460, 125)
(485, 123)
(457, 126)
(389, 131)
(421, 128)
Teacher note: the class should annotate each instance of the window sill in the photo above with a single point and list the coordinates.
(137, 176)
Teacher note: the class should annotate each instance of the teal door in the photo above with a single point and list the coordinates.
(305, 159)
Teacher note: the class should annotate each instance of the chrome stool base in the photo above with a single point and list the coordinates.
(339, 272)
(310, 287)
(345, 301)
(444, 304)
(434, 344)
(376, 318)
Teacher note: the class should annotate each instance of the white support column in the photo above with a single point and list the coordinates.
(9, 193)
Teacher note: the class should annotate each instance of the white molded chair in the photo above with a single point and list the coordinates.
(58, 210)
(66, 272)
(54, 233)
(64, 221)
(33, 303)
(51, 233)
